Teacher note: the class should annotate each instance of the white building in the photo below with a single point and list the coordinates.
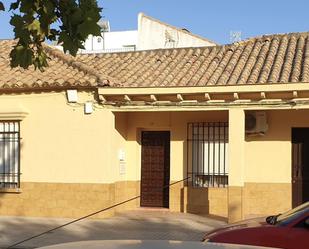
(150, 34)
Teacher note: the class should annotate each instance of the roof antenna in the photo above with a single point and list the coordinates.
(235, 36)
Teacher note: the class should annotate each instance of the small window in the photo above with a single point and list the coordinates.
(9, 154)
(207, 154)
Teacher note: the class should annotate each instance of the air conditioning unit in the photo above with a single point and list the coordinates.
(256, 122)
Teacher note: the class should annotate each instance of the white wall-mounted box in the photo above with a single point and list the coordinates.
(88, 108)
(72, 96)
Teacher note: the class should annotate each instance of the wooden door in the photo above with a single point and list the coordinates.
(155, 169)
(300, 166)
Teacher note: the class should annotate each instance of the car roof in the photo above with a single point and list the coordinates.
(149, 244)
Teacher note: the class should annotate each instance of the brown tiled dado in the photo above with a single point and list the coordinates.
(176, 203)
(258, 199)
(211, 201)
(235, 201)
(262, 199)
(76, 200)
(66, 200)
(127, 190)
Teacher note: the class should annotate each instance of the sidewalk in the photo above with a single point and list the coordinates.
(141, 224)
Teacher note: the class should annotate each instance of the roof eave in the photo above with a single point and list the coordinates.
(219, 96)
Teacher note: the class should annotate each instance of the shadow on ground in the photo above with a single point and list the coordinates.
(132, 225)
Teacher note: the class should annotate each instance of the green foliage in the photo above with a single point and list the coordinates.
(34, 25)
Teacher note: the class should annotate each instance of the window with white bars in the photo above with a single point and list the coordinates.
(9, 154)
(207, 154)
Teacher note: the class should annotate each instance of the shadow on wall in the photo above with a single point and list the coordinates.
(184, 199)
(197, 200)
(209, 202)
(121, 123)
(202, 200)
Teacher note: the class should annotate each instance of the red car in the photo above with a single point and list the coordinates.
(289, 230)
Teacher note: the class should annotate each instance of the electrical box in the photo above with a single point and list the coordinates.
(122, 162)
(72, 96)
(88, 108)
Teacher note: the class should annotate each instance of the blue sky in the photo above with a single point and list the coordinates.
(211, 19)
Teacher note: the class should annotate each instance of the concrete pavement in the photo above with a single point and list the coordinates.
(131, 225)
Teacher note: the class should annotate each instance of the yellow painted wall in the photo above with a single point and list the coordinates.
(236, 147)
(211, 201)
(67, 157)
(56, 149)
(176, 123)
(62, 144)
(267, 188)
(268, 158)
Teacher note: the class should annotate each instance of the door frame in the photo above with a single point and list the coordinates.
(140, 133)
(297, 183)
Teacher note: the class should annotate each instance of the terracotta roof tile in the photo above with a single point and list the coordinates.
(267, 59)
(63, 71)
(263, 60)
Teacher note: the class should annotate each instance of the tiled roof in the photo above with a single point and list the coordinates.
(267, 59)
(63, 72)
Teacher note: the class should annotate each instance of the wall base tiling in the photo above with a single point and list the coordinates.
(235, 202)
(124, 191)
(176, 196)
(263, 199)
(212, 201)
(76, 200)
(67, 200)
(258, 199)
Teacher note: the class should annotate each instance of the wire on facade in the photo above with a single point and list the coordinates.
(86, 216)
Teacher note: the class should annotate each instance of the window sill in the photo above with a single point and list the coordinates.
(10, 190)
(13, 114)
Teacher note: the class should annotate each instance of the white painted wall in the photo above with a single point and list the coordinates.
(112, 41)
(153, 34)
